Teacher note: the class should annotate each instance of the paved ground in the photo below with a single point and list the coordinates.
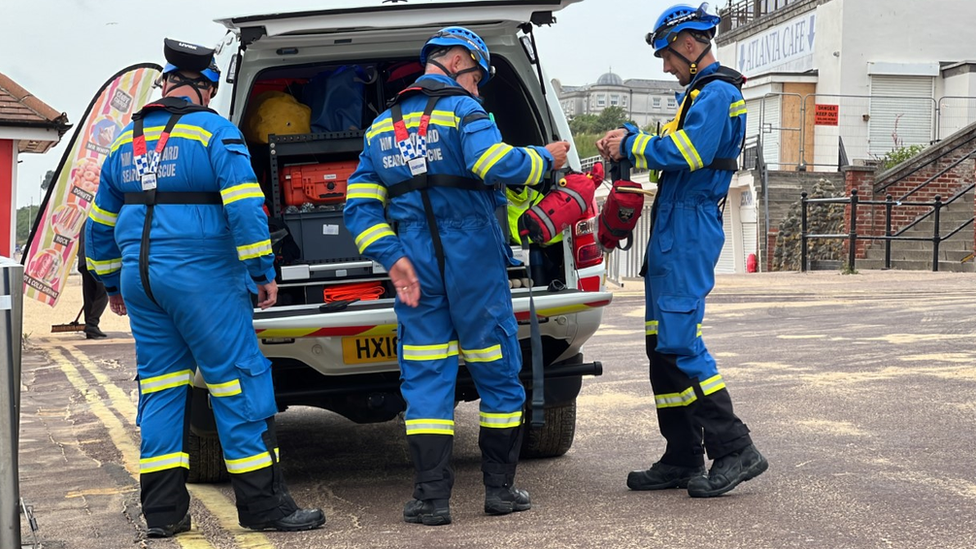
(857, 388)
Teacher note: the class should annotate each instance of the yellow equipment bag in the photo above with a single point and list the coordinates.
(278, 113)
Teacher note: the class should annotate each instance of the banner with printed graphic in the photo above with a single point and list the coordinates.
(53, 242)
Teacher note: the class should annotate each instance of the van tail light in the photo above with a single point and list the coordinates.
(585, 249)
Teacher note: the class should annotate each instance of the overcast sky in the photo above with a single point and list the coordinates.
(62, 51)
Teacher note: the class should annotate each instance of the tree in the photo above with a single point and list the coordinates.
(47, 179)
(25, 218)
(583, 123)
(610, 118)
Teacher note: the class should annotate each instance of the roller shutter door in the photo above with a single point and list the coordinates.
(901, 112)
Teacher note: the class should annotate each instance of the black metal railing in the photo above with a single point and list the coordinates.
(742, 12)
(889, 203)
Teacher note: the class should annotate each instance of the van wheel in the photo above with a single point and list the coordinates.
(206, 459)
(555, 438)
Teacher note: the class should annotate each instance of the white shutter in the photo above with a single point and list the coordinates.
(902, 112)
(765, 113)
(726, 260)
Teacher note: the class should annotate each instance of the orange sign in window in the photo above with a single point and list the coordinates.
(826, 115)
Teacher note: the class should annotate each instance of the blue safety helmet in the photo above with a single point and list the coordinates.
(450, 37)
(678, 18)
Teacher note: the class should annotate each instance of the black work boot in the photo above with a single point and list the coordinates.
(662, 476)
(300, 519)
(169, 530)
(431, 512)
(503, 500)
(728, 471)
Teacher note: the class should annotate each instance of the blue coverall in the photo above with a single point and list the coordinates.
(204, 261)
(686, 240)
(467, 313)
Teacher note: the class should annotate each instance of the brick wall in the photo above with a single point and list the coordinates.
(901, 182)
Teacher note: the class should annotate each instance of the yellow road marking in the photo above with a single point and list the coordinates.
(98, 492)
(119, 434)
(216, 502)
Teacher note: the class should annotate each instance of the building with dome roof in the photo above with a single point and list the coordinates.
(647, 102)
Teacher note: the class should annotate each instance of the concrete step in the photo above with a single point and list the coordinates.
(957, 243)
(947, 266)
(919, 255)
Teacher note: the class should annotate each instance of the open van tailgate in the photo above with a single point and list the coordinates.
(393, 15)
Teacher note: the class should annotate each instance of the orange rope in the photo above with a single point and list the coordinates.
(365, 291)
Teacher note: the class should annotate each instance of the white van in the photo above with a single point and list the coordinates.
(343, 357)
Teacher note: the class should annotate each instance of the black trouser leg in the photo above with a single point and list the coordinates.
(95, 299)
(431, 455)
(676, 421)
(499, 454)
(724, 431)
(165, 500)
(261, 495)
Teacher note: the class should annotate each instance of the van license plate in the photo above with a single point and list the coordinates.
(364, 350)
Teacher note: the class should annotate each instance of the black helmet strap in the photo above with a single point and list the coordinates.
(197, 83)
(693, 66)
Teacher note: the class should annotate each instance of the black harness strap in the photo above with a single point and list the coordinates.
(425, 181)
(423, 187)
(150, 202)
(175, 198)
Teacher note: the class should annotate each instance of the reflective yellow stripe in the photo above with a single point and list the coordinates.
(161, 463)
(640, 144)
(254, 250)
(240, 192)
(378, 128)
(698, 334)
(227, 389)
(248, 464)
(650, 327)
(373, 234)
(430, 427)
(491, 157)
(104, 217)
(186, 131)
(675, 400)
(439, 351)
(688, 150)
(437, 118)
(535, 173)
(713, 384)
(489, 354)
(103, 268)
(370, 191)
(501, 421)
(738, 108)
(167, 381)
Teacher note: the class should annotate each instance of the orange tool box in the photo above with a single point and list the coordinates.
(316, 183)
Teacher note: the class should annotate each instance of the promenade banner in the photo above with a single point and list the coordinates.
(52, 246)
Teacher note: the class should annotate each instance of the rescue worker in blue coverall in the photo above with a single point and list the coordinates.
(696, 155)
(434, 164)
(181, 242)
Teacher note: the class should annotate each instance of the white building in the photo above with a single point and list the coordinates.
(842, 81)
(647, 102)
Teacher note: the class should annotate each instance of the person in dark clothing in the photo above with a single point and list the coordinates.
(96, 299)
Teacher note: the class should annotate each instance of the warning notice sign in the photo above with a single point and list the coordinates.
(826, 115)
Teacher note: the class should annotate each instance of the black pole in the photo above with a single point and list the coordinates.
(803, 232)
(888, 206)
(935, 237)
(852, 252)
